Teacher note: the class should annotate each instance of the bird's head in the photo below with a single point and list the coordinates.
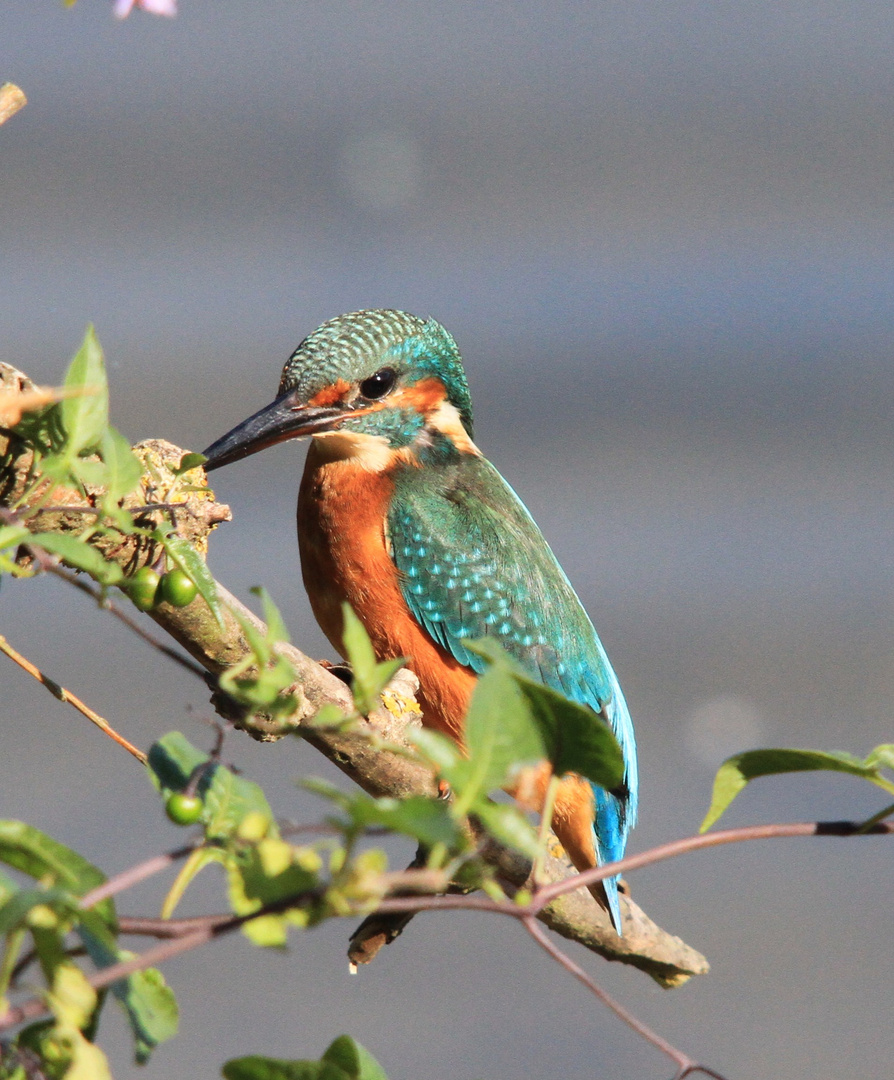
(371, 380)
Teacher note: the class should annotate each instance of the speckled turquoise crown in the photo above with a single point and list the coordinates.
(354, 346)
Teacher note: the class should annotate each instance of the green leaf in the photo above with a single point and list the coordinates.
(7, 888)
(345, 1059)
(508, 825)
(85, 416)
(13, 535)
(266, 873)
(62, 1051)
(501, 732)
(438, 750)
(57, 467)
(192, 564)
(79, 554)
(571, 736)
(40, 856)
(123, 467)
(151, 1009)
(427, 820)
(368, 677)
(43, 432)
(736, 772)
(15, 911)
(276, 628)
(263, 1068)
(87, 1061)
(331, 716)
(261, 689)
(71, 997)
(172, 760)
(227, 798)
(189, 461)
(576, 739)
(358, 647)
(59, 1050)
(88, 471)
(354, 1059)
(191, 868)
(148, 1002)
(882, 757)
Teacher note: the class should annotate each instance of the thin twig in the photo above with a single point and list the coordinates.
(683, 1061)
(53, 567)
(36, 1007)
(97, 511)
(548, 893)
(33, 955)
(67, 696)
(876, 818)
(143, 926)
(694, 1067)
(134, 875)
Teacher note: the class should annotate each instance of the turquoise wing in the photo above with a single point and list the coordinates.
(472, 563)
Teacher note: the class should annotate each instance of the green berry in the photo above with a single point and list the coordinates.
(143, 588)
(177, 588)
(183, 809)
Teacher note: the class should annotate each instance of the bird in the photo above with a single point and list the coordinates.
(401, 516)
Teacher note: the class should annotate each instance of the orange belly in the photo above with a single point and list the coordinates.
(344, 557)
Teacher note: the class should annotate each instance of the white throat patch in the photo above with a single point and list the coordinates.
(370, 452)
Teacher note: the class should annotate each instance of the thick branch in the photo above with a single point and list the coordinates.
(358, 754)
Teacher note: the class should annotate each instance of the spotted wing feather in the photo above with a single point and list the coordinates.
(472, 563)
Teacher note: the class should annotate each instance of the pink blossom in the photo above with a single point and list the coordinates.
(156, 7)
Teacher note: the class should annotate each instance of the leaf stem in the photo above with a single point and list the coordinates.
(876, 818)
(546, 820)
(10, 954)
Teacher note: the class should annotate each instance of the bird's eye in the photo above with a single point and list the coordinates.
(378, 385)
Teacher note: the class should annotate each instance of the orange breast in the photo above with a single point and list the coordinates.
(342, 508)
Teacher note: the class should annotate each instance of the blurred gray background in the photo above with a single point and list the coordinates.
(662, 235)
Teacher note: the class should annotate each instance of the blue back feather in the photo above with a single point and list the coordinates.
(473, 563)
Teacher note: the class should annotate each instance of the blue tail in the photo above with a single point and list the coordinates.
(609, 836)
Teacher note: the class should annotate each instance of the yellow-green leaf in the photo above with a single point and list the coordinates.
(85, 414)
(736, 772)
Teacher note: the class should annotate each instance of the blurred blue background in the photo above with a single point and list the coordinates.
(662, 235)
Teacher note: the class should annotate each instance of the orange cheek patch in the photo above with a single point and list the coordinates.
(332, 395)
(425, 396)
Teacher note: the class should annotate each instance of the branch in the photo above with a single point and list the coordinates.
(574, 915)
(59, 691)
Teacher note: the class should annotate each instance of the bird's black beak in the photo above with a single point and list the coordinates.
(285, 418)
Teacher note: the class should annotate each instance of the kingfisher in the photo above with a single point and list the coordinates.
(401, 516)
